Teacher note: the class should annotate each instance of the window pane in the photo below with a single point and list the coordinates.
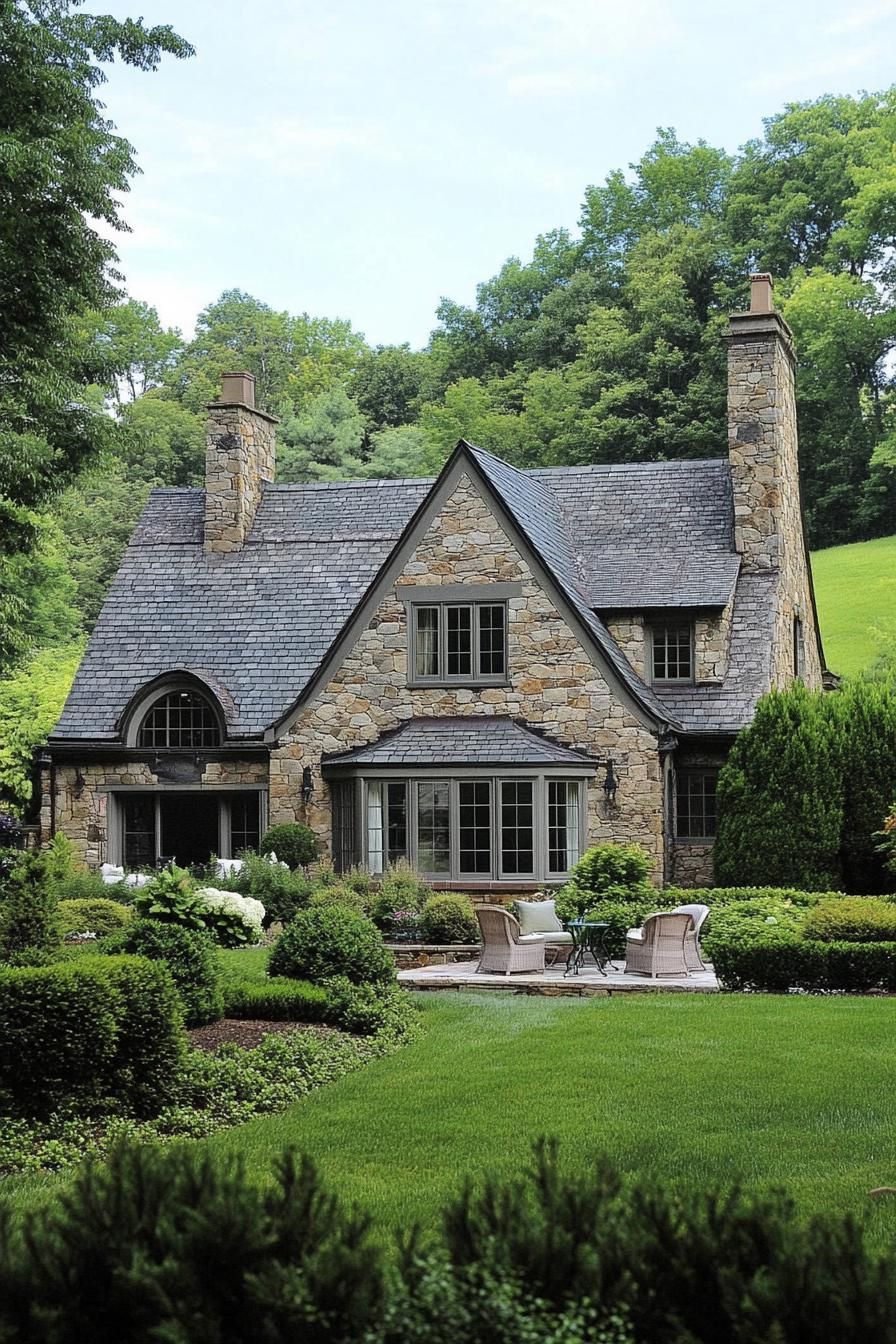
(139, 830)
(672, 653)
(244, 827)
(426, 645)
(492, 658)
(397, 821)
(475, 817)
(180, 719)
(433, 827)
(459, 623)
(375, 826)
(563, 825)
(517, 833)
(695, 804)
(343, 795)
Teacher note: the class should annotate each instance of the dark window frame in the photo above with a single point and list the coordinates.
(179, 718)
(479, 635)
(705, 811)
(658, 650)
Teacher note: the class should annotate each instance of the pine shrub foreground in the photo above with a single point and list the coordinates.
(178, 1244)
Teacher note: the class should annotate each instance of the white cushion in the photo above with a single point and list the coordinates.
(111, 873)
(561, 939)
(635, 936)
(538, 917)
(531, 939)
(226, 867)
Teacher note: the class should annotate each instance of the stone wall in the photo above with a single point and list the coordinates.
(552, 684)
(239, 458)
(630, 633)
(712, 640)
(81, 815)
(691, 864)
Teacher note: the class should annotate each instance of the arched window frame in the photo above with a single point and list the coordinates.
(151, 697)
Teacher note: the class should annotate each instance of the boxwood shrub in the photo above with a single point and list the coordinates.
(780, 960)
(93, 1035)
(93, 915)
(189, 955)
(326, 941)
(448, 917)
(852, 919)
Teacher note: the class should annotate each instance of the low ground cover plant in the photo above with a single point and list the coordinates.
(567, 1254)
(276, 999)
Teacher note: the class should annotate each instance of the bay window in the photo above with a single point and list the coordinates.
(466, 827)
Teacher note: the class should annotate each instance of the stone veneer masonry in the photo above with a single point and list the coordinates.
(763, 451)
(712, 635)
(552, 684)
(239, 459)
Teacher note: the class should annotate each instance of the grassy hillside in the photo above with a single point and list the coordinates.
(856, 591)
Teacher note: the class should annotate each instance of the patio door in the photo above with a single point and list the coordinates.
(189, 827)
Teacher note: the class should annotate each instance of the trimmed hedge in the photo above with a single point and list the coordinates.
(99, 1033)
(715, 896)
(448, 917)
(782, 960)
(277, 999)
(852, 919)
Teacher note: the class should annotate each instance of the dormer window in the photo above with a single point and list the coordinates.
(182, 719)
(672, 651)
(463, 642)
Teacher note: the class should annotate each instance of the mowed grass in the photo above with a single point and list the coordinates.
(687, 1089)
(855, 587)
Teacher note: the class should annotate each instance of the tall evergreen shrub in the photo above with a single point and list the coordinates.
(780, 796)
(868, 713)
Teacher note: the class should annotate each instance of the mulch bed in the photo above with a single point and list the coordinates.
(247, 1032)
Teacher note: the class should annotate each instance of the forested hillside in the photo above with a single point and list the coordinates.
(602, 346)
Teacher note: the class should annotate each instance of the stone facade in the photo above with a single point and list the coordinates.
(239, 459)
(553, 684)
(80, 811)
(691, 864)
(712, 636)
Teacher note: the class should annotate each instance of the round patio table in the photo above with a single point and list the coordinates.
(588, 938)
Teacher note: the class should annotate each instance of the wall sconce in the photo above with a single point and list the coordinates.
(307, 785)
(611, 784)
(80, 782)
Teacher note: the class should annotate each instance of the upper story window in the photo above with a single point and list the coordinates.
(458, 641)
(672, 651)
(180, 719)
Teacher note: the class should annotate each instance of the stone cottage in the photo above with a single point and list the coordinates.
(482, 673)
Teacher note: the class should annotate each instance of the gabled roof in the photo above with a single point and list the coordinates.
(259, 622)
(465, 740)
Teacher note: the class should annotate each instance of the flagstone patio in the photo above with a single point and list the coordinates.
(589, 981)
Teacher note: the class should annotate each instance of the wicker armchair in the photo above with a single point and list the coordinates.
(698, 915)
(504, 948)
(658, 947)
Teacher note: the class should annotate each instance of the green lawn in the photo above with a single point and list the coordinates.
(689, 1089)
(855, 587)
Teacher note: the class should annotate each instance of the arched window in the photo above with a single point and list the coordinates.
(180, 719)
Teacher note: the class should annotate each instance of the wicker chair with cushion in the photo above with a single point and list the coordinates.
(698, 915)
(541, 917)
(658, 947)
(504, 948)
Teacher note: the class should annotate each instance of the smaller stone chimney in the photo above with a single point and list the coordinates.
(762, 437)
(239, 457)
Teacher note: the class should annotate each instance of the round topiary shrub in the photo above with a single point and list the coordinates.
(448, 918)
(326, 941)
(292, 843)
(190, 957)
(93, 915)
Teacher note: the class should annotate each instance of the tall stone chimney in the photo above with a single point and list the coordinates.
(239, 458)
(762, 435)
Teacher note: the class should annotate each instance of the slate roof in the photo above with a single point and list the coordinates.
(256, 624)
(465, 740)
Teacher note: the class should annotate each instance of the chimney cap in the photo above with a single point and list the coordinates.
(761, 287)
(238, 387)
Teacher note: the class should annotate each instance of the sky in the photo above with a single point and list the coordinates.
(362, 160)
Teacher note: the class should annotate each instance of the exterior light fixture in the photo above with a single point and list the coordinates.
(307, 785)
(80, 781)
(611, 783)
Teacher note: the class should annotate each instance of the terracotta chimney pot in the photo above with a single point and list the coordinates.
(761, 300)
(238, 387)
